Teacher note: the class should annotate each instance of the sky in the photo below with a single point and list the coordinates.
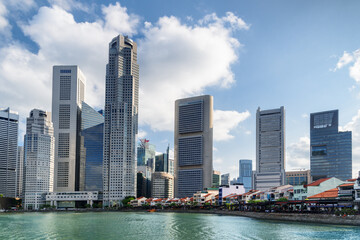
(303, 55)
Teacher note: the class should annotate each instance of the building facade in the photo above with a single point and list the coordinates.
(225, 179)
(67, 98)
(92, 143)
(162, 185)
(39, 146)
(193, 145)
(121, 121)
(301, 177)
(230, 189)
(162, 162)
(245, 174)
(20, 167)
(216, 179)
(270, 148)
(330, 150)
(9, 125)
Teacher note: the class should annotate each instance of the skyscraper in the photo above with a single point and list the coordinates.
(92, 139)
(162, 162)
(20, 172)
(245, 174)
(193, 145)
(121, 121)
(270, 148)
(68, 95)
(216, 179)
(225, 179)
(9, 124)
(39, 155)
(331, 151)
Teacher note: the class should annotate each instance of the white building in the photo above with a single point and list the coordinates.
(270, 148)
(230, 189)
(193, 146)
(39, 154)
(20, 178)
(68, 94)
(121, 121)
(68, 199)
(9, 124)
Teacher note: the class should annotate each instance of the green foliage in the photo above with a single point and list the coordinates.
(256, 201)
(1, 195)
(346, 211)
(127, 200)
(282, 199)
(87, 206)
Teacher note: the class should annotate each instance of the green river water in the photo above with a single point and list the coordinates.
(130, 225)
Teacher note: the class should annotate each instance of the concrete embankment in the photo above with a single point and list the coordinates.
(285, 217)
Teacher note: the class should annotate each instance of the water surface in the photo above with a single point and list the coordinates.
(130, 225)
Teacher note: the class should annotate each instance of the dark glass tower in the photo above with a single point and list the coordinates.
(245, 174)
(330, 150)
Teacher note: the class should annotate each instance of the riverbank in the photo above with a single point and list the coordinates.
(353, 220)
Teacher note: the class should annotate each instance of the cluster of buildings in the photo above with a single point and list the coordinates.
(75, 155)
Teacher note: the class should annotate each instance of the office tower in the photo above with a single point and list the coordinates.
(146, 154)
(162, 163)
(9, 124)
(145, 173)
(68, 94)
(162, 185)
(225, 179)
(245, 174)
(193, 145)
(301, 177)
(270, 148)
(171, 166)
(92, 139)
(39, 158)
(121, 121)
(216, 179)
(331, 150)
(20, 172)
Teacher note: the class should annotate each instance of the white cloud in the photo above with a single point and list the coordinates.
(304, 115)
(141, 134)
(346, 59)
(69, 5)
(225, 121)
(119, 20)
(248, 132)
(179, 60)
(4, 22)
(298, 154)
(25, 77)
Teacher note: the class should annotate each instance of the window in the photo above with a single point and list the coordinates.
(319, 151)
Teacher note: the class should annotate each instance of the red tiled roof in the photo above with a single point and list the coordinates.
(317, 182)
(332, 193)
(158, 200)
(351, 180)
(347, 185)
(149, 200)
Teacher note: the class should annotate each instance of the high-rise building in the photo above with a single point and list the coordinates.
(193, 145)
(301, 177)
(121, 121)
(162, 162)
(225, 179)
(331, 150)
(67, 98)
(39, 158)
(9, 125)
(216, 179)
(245, 174)
(162, 185)
(146, 154)
(270, 148)
(20, 178)
(92, 139)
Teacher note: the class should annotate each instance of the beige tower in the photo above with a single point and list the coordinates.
(193, 145)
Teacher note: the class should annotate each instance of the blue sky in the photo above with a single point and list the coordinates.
(304, 55)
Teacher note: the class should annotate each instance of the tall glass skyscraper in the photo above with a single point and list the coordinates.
(270, 148)
(331, 150)
(121, 121)
(193, 145)
(162, 162)
(92, 135)
(9, 125)
(245, 174)
(145, 167)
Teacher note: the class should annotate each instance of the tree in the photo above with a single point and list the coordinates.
(127, 200)
(1, 195)
(282, 199)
